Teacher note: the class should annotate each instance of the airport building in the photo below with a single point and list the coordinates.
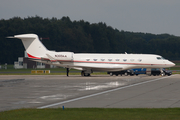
(24, 62)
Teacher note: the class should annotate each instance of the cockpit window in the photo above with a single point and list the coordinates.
(160, 58)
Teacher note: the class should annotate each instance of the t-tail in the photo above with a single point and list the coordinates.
(34, 48)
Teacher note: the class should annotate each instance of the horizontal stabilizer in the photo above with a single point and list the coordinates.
(10, 37)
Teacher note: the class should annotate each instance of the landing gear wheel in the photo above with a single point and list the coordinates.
(162, 74)
(125, 73)
(85, 74)
(111, 74)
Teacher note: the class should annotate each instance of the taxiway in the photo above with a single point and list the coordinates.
(100, 91)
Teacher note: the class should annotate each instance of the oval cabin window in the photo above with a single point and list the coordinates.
(87, 59)
(95, 59)
(110, 59)
(102, 59)
(124, 60)
(139, 60)
(117, 59)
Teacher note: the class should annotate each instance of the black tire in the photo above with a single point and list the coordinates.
(86, 74)
(126, 74)
(163, 74)
(111, 74)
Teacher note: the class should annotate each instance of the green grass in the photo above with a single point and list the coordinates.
(176, 73)
(177, 63)
(29, 69)
(55, 71)
(97, 73)
(174, 68)
(92, 114)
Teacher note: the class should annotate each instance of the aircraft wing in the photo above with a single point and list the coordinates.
(99, 67)
(51, 58)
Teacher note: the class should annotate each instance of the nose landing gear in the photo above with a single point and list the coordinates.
(162, 72)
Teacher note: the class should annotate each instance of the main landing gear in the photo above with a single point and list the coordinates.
(83, 73)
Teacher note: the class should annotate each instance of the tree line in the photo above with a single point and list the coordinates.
(81, 36)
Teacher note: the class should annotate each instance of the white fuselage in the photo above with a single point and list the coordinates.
(89, 62)
(108, 62)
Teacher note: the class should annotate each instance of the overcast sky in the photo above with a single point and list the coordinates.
(147, 16)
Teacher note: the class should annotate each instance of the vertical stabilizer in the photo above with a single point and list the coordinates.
(33, 46)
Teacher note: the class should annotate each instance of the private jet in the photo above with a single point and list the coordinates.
(89, 62)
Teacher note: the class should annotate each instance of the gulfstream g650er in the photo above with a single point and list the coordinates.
(88, 62)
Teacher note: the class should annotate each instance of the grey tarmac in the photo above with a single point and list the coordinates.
(97, 91)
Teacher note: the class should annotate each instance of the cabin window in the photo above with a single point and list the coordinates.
(102, 59)
(117, 59)
(87, 59)
(124, 60)
(95, 59)
(110, 59)
(139, 60)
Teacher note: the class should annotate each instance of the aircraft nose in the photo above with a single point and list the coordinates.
(172, 64)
